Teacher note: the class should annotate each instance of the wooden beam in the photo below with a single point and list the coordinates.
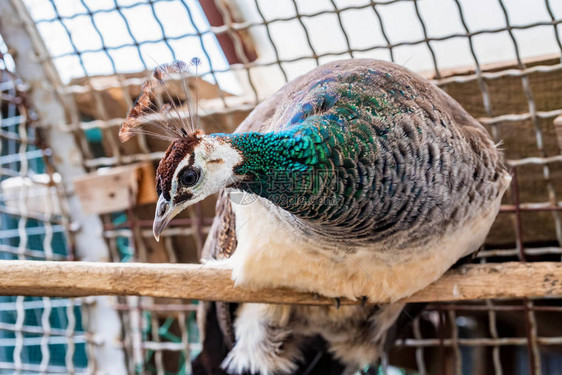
(111, 190)
(194, 281)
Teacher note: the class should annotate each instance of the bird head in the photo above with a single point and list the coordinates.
(194, 167)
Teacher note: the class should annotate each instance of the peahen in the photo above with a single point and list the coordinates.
(369, 182)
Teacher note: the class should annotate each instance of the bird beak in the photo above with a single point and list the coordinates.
(165, 211)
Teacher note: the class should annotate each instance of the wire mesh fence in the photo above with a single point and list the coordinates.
(501, 60)
(37, 334)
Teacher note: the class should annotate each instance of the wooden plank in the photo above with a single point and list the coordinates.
(558, 130)
(204, 282)
(116, 189)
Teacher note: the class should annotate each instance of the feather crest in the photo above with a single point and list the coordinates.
(157, 112)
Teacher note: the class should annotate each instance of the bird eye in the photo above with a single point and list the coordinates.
(189, 176)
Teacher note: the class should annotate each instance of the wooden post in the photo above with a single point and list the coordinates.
(203, 282)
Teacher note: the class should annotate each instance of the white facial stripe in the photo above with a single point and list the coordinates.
(181, 165)
(214, 176)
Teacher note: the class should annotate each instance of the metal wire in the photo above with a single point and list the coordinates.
(41, 335)
(160, 336)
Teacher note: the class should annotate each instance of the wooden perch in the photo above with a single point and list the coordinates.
(193, 281)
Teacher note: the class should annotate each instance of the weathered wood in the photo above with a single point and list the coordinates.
(558, 130)
(118, 92)
(204, 282)
(115, 189)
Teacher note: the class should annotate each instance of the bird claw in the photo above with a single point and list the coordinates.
(364, 301)
(337, 302)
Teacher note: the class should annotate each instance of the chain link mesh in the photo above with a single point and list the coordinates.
(37, 334)
(104, 51)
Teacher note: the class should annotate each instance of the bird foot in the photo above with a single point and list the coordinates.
(337, 302)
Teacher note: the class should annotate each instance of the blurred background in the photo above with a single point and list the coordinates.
(69, 190)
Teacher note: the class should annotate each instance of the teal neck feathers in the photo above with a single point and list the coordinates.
(302, 169)
(322, 161)
(278, 165)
